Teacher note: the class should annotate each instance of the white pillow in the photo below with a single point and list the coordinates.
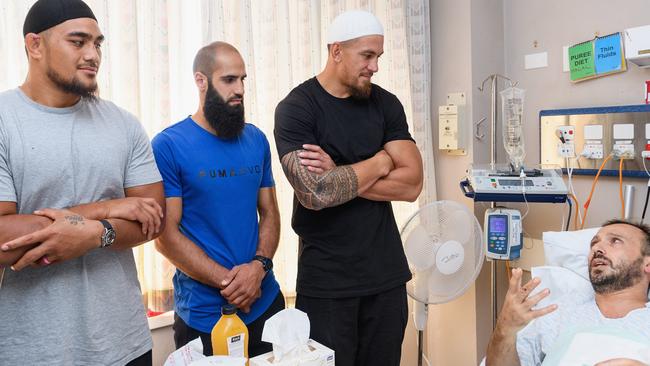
(569, 249)
(567, 287)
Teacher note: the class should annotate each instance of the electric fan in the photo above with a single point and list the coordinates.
(443, 243)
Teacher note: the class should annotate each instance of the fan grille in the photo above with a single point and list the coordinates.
(443, 243)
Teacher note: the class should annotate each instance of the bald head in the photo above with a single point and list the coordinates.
(206, 60)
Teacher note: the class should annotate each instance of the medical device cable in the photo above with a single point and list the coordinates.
(572, 191)
(645, 206)
(620, 188)
(647, 195)
(577, 219)
(591, 193)
(568, 221)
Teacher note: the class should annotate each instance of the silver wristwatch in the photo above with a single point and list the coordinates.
(108, 236)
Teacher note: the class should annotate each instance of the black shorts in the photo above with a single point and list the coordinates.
(145, 360)
(183, 334)
(362, 331)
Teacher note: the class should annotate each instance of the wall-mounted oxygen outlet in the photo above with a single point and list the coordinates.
(623, 150)
(623, 134)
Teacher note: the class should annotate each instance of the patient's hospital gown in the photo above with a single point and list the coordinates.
(539, 338)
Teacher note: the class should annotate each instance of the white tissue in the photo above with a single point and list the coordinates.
(288, 331)
(220, 361)
(187, 354)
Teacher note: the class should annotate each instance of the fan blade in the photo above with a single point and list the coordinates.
(419, 248)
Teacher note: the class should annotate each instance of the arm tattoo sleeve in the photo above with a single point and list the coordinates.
(316, 192)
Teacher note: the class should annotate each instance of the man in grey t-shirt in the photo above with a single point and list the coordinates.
(78, 188)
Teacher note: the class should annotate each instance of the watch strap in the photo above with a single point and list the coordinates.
(108, 236)
(267, 263)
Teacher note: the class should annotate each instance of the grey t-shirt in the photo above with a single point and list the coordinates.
(86, 311)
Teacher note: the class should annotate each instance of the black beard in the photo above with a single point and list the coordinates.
(73, 86)
(360, 93)
(624, 276)
(226, 120)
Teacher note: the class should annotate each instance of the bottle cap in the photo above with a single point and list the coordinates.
(228, 309)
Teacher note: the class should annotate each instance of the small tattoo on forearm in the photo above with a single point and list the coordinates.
(75, 219)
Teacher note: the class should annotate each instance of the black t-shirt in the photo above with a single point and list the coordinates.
(353, 249)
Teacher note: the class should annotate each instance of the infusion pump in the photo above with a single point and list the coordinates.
(499, 184)
(503, 233)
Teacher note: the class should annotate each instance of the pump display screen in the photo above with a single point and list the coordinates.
(498, 224)
(515, 182)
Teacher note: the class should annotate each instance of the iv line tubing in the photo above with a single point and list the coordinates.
(568, 220)
(593, 187)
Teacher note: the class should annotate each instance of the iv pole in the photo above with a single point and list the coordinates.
(493, 159)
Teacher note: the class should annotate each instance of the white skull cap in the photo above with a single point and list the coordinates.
(353, 24)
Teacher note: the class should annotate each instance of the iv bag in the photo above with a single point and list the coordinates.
(512, 102)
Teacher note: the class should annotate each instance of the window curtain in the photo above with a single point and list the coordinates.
(147, 69)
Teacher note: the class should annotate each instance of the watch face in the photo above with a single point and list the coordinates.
(108, 238)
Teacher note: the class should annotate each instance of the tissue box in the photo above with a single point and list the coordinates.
(325, 357)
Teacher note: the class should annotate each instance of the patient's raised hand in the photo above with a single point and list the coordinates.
(517, 310)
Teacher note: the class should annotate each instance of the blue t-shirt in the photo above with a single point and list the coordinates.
(218, 181)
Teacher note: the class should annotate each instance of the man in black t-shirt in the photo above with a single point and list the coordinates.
(345, 148)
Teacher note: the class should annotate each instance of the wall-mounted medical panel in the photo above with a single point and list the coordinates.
(599, 132)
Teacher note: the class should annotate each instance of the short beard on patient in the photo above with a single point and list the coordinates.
(624, 276)
(226, 120)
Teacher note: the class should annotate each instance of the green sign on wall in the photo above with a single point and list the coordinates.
(581, 61)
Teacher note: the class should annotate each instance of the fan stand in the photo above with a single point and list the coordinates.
(421, 334)
(421, 342)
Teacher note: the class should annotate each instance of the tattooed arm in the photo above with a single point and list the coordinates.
(402, 183)
(71, 235)
(336, 186)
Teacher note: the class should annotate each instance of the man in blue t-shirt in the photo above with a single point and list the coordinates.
(217, 175)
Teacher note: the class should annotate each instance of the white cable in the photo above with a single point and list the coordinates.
(522, 175)
(571, 189)
(644, 167)
(425, 359)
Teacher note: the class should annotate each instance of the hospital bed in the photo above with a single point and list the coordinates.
(565, 273)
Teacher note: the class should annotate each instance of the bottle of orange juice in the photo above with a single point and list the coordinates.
(230, 335)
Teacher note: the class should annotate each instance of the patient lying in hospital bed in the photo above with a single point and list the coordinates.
(598, 313)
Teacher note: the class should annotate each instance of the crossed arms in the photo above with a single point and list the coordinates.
(392, 174)
(241, 285)
(63, 234)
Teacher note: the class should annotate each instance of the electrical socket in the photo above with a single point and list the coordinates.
(593, 151)
(566, 150)
(645, 154)
(568, 133)
(623, 151)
